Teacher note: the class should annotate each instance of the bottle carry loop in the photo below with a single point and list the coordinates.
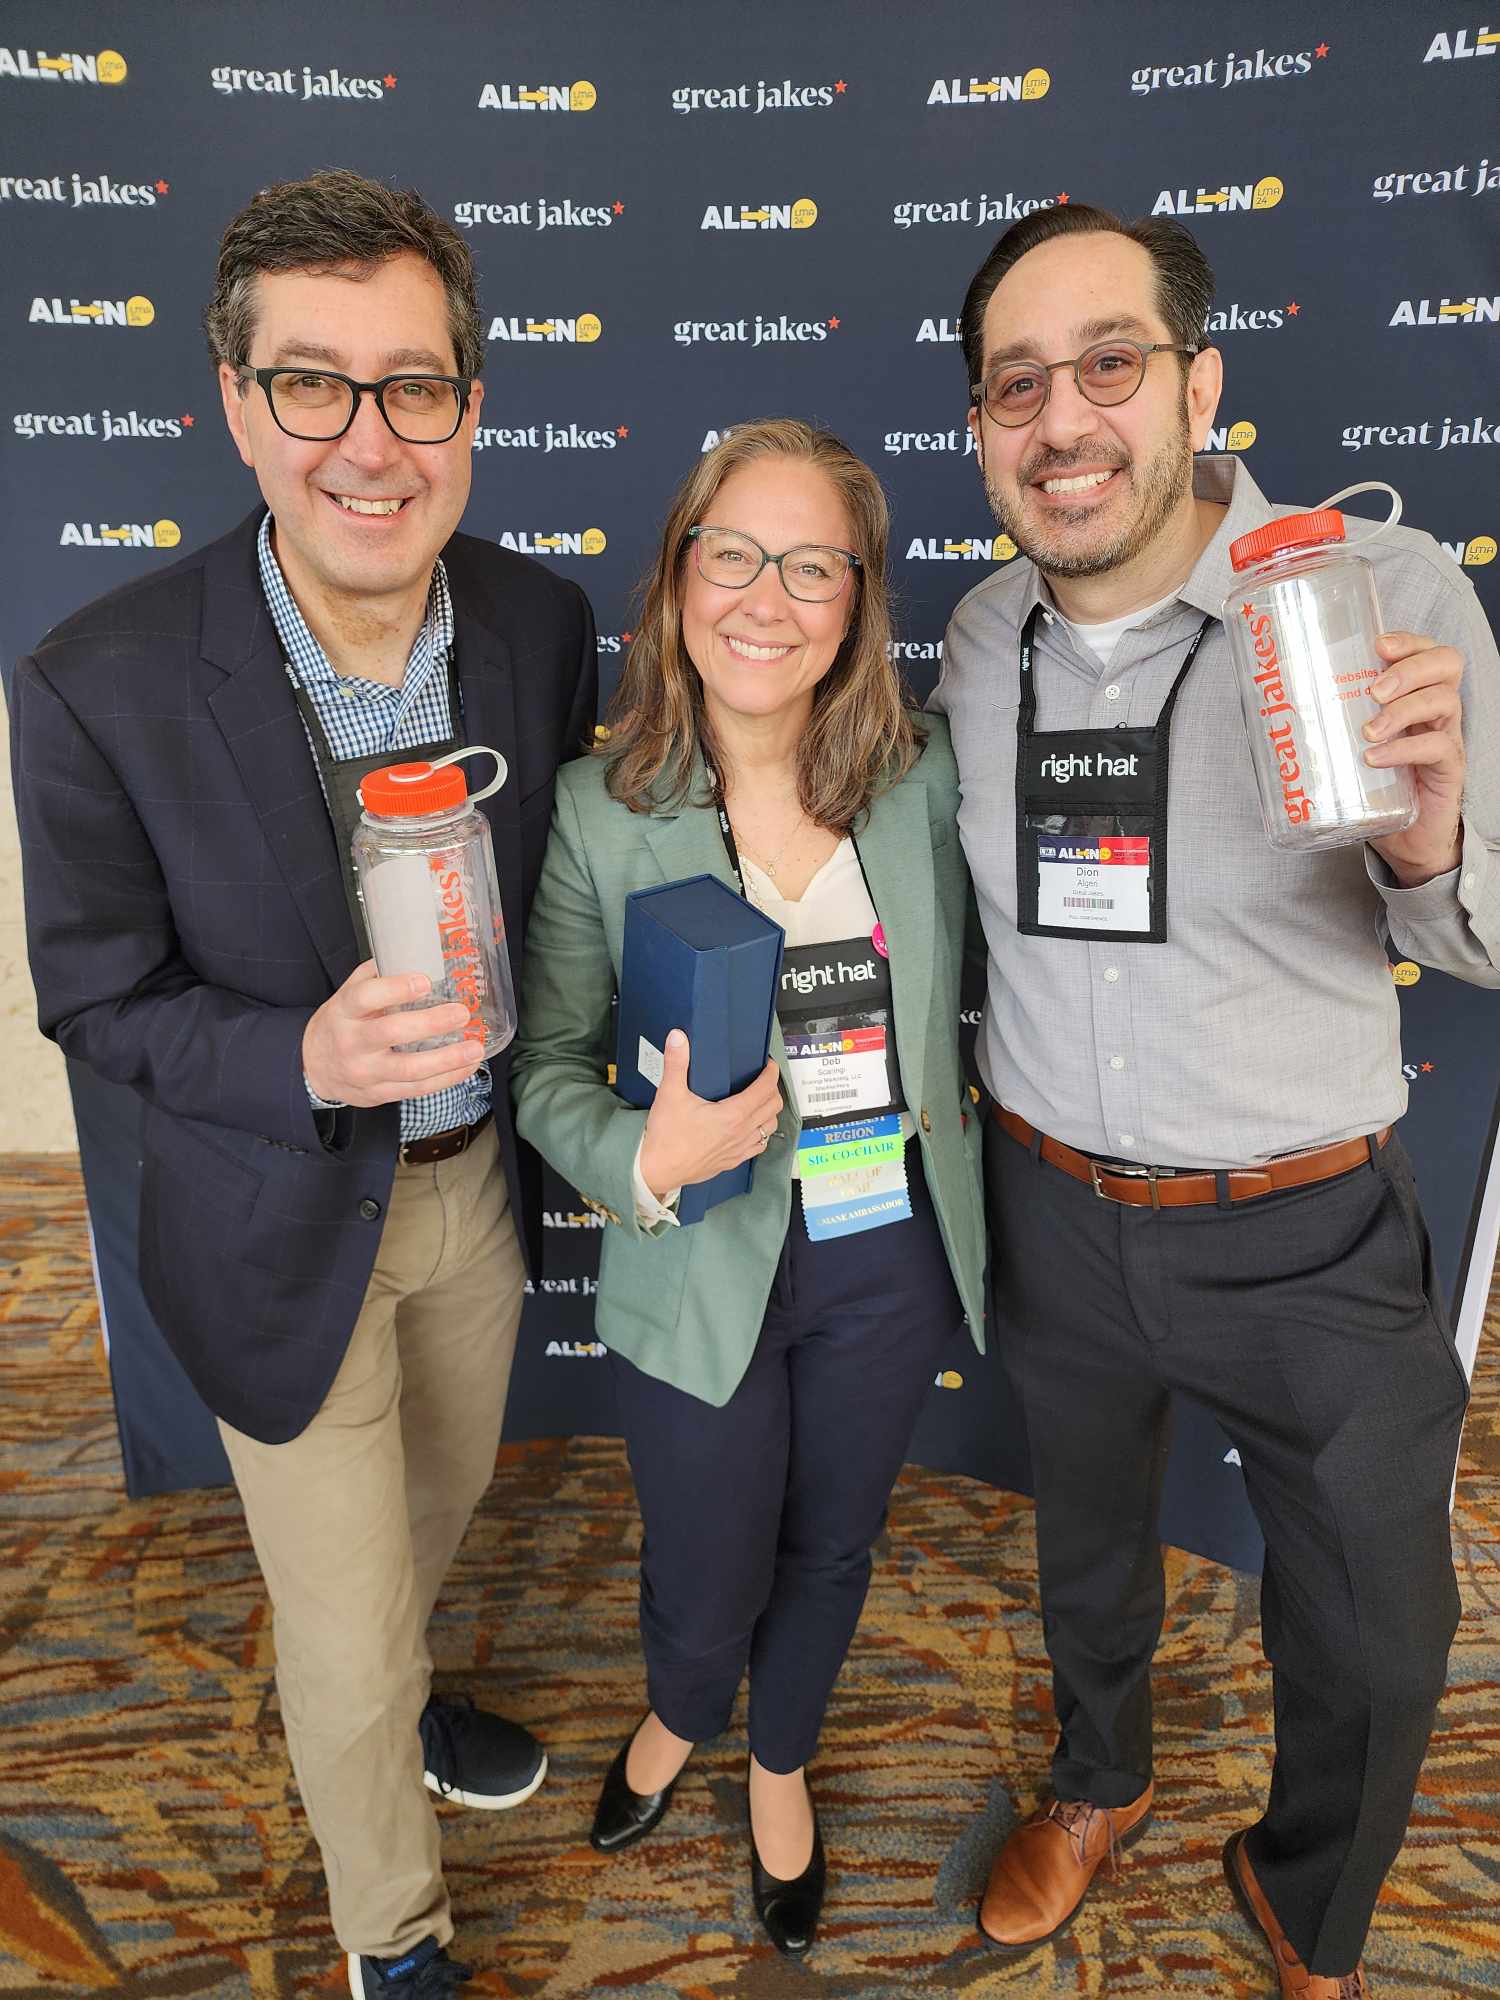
(1371, 529)
(502, 769)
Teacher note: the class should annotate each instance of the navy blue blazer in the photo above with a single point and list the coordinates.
(186, 916)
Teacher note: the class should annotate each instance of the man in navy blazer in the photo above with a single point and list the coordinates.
(331, 1229)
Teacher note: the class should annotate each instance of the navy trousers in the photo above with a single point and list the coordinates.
(759, 1516)
(1310, 1323)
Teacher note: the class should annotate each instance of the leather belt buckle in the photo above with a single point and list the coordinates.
(1150, 1175)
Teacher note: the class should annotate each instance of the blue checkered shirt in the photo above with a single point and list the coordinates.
(363, 717)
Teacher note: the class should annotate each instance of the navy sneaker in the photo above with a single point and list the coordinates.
(426, 1972)
(478, 1759)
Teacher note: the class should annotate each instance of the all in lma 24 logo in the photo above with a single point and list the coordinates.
(581, 328)
(136, 311)
(1223, 200)
(773, 215)
(1025, 88)
(132, 535)
(588, 542)
(1458, 44)
(1471, 311)
(580, 96)
(36, 66)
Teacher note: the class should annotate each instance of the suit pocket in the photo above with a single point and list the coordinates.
(202, 1174)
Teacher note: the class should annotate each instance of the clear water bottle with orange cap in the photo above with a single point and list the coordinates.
(426, 867)
(1302, 623)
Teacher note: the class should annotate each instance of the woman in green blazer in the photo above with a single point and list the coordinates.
(771, 1359)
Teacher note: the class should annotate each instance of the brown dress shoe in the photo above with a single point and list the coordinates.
(1043, 1871)
(1297, 1983)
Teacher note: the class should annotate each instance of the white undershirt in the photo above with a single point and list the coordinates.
(1102, 639)
(835, 904)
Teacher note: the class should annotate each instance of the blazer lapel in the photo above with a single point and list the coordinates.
(254, 708)
(895, 847)
(487, 693)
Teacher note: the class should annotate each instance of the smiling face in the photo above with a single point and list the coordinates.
(360, 519)
(758, 651)
(1084, 489)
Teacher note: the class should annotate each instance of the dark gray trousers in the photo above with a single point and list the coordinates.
(1310, 1324)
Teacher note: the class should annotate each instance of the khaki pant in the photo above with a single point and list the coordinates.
(355, 1522)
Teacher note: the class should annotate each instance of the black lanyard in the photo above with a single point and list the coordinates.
(1069, 781)
(342, 777)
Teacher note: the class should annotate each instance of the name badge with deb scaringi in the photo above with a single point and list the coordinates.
(834, 1007)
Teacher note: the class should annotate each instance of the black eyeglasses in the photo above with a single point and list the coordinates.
(812, 572)
(1107, 374)
(317, 405)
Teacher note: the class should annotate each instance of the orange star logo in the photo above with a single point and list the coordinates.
(1062, 201)
(834, 323)
(626, 637)
(1247, 611)
(389, 81)
(619, 207)
(187, 423)
(1428, 1068)
(1293, 309)
(622, 430)
(1321, 50)
(163, 186)
(840, 87)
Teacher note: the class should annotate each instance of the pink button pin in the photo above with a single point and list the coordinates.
(877, 938)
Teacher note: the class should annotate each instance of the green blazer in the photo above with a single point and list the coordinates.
(686, 1304)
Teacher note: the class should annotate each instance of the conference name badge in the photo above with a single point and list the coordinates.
(853, 1177)
(1102, 884)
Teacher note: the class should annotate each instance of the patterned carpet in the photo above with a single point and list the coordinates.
(151, 1844)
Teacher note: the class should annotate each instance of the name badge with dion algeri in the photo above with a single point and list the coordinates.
(1091, 820)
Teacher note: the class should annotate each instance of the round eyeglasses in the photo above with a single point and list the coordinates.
(316, 405)
(813, 573)
(1110, 373)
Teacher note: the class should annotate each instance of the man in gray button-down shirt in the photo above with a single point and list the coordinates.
(1227, 1091)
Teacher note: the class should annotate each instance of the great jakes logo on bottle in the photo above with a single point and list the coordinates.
(1278, 714)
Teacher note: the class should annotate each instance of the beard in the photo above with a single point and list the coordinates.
(1059, 544)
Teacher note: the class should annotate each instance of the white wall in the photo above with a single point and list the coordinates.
(35, 1113)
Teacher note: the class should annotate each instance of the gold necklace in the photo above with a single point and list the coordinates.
(770, 867)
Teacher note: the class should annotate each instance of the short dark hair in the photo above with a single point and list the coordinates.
(1184, 276)
(336, 220)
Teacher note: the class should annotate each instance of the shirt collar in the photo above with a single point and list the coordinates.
(302, 649)
(1226, 480)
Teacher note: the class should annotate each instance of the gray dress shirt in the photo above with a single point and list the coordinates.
(1268, 1020)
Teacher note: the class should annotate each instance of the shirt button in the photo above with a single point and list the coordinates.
(1117, 1062)
(1111, 973)
(926, 1121)
(347, 693)
(1469, 879)
(1112, 692)
(369, 1209)
(1127, 1138)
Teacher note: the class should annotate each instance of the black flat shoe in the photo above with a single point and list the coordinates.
(790, 1910)
(623, 1816)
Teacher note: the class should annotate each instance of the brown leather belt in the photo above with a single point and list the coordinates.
(443, 1145)
(1166, 1187)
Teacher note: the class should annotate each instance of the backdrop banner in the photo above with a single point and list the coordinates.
(683, 221)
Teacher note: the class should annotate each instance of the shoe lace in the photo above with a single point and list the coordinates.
(442, 1725)
(1352, 1986)
(1076, 1817)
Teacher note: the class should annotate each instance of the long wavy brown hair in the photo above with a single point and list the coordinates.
(862, 736)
